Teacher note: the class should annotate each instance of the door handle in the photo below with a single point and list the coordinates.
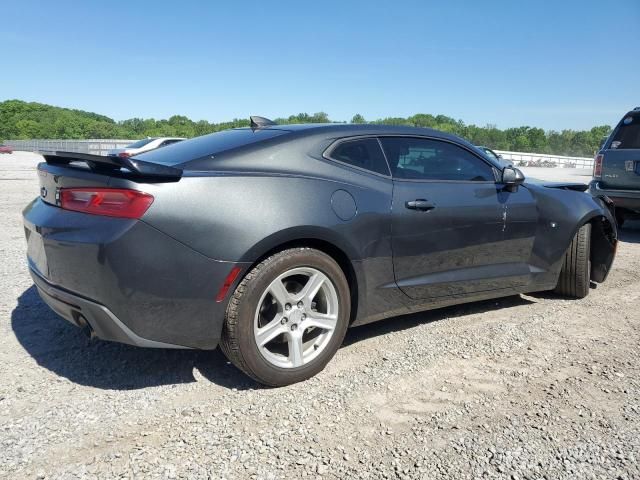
(420, 204)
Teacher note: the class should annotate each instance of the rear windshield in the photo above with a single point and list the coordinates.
(141, 143)
(628, 133)
(205, 145)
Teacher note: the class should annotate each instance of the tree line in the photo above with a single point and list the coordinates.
(30, 120)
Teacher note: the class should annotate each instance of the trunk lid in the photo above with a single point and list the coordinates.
(48, 231)
(621, 155)
(37, 226)
(69, 169)
(54, 177)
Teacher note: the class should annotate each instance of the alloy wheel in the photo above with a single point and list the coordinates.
(296, 317)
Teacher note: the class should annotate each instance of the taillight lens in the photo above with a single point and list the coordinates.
(597, 166)
(112, 202)
(124, 155)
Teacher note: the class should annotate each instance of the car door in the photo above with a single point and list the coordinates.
(455, 230)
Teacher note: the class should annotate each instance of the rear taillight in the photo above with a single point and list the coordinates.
(124, 155)
(112, 202)
(597, 166)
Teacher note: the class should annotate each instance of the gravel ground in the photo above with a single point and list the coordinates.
(523, 387)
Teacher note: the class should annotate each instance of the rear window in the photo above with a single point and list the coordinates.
(627, 135)
(363, 153)
(206, 145)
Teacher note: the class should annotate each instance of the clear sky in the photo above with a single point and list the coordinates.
(552, 64)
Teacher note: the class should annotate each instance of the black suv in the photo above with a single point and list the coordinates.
(616, 170)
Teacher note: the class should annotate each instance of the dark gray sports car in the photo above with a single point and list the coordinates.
(271, 241)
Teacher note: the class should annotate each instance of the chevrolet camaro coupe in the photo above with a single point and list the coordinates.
(272, 240)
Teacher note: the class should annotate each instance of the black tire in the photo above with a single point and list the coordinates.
(238, 341)
(575, 275)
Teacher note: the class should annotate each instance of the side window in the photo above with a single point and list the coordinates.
(426, 159)
(364, 153)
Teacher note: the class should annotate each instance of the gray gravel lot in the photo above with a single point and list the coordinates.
(523, 387)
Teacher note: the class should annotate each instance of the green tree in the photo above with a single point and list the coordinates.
(22, 120)
(522, 144)
(28, 129)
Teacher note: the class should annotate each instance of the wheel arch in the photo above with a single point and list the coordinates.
(603, 243)
(603, 246)
(339, 250)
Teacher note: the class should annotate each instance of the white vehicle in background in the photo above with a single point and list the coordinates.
(143, 145)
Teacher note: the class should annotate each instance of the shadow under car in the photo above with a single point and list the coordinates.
(64, 349)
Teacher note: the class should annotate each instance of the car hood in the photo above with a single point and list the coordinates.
(576, 186)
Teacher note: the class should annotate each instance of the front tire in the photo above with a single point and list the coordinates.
(575, 275)
(287, 317)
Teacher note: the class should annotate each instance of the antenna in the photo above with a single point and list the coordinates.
(258, 122)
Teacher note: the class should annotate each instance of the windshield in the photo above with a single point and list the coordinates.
(141, 143)
(490, 152)
(627, 136)
(205, 145)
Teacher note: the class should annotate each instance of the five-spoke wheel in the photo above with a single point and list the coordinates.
(296, 317)
(287, 317)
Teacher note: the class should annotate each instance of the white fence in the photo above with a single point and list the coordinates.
(95, 147)
(545, 160)
(101, 147)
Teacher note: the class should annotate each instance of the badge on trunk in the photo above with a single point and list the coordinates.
(629, 165)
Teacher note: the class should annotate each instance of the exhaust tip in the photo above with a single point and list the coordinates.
(82, 322)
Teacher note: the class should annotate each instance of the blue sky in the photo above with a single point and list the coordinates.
(552, 64)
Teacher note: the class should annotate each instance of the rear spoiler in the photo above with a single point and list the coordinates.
(112, 164)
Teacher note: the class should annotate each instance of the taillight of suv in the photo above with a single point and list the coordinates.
(597, 166)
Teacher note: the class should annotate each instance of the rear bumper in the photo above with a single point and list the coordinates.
(628, 199)
(128, 281)
(86, 314)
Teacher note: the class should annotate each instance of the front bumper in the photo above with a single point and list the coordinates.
(627, 199)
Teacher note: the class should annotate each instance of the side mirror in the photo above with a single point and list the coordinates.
(512, 177)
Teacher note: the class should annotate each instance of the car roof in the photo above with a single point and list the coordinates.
(347, 128)
(357, 129)
(312, 139)
(163, 138)
(339, 130)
